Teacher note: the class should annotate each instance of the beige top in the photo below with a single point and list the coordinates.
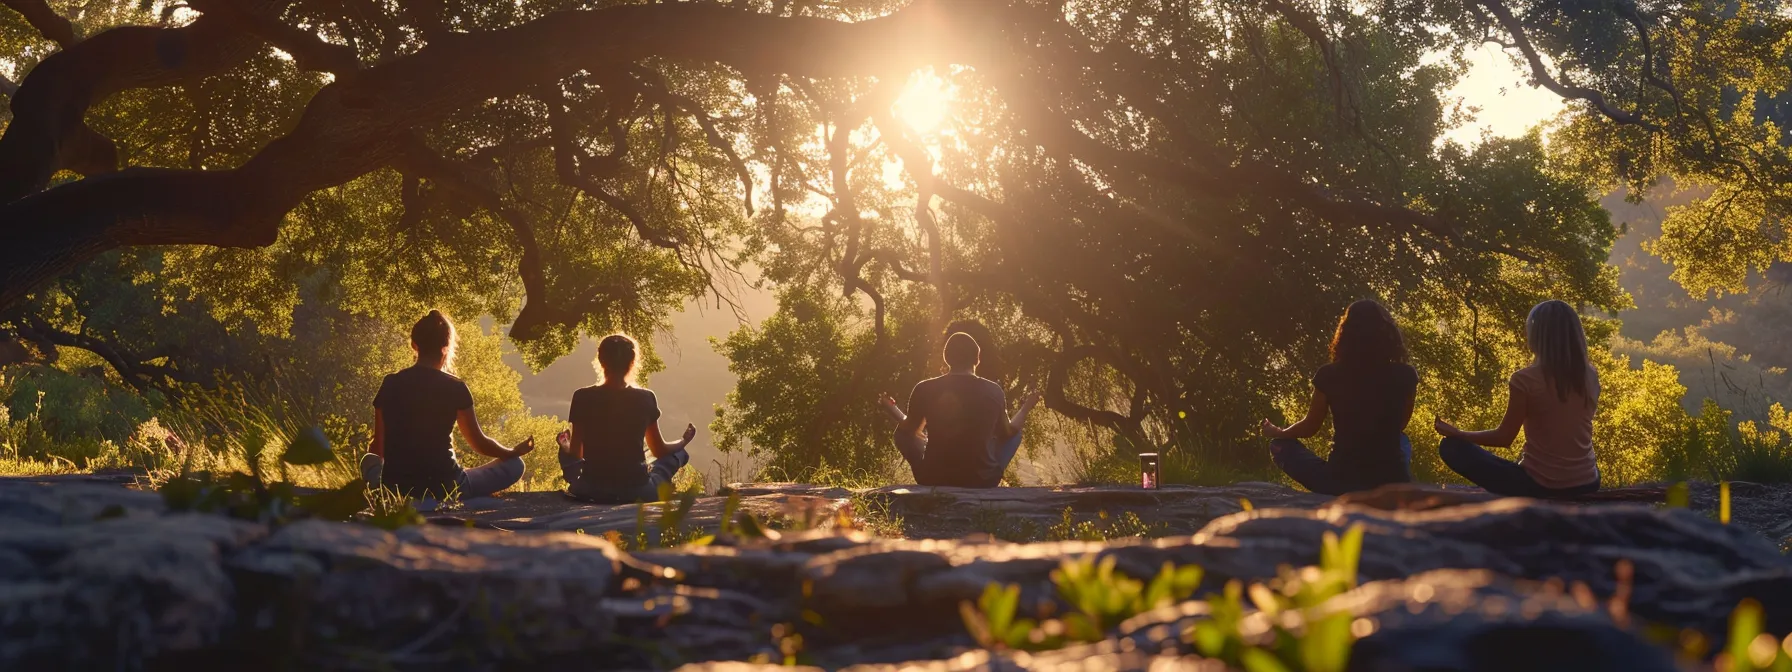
(1558, 435)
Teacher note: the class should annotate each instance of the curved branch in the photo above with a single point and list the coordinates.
(540, 311)
(1540, 73)
(351, 127)
(45, 20)
(308, 50)
(136, 370)
(660, 94)
(1056, 400)
(54, 97)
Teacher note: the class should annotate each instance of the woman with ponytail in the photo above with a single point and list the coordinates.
(1553, 400)
(414, 416)
(613, 423)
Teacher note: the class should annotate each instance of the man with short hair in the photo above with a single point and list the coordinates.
(969, 440)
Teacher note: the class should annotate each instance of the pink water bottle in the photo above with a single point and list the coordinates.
(1150, 472)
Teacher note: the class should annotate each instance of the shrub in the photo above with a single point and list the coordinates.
(1709, 446)
(1097, 598)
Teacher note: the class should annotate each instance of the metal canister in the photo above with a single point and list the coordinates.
(1150, 471)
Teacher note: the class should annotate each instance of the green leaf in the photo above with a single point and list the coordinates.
(1723, 503)
(1258, 660)
(1679, 495)
(309, 447)
(1326, 645)
(1209, 639)
(1745, 625)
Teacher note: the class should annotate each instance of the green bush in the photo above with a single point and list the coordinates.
(1096, 599)
(1709, 446)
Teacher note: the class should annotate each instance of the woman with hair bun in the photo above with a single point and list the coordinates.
(414, 416)
(1368, 389)
(613, 423)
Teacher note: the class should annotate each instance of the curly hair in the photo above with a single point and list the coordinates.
(1367, 334)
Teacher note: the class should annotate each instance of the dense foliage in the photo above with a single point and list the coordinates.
(1157, 207)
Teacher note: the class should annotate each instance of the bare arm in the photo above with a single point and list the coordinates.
(1028, 400)
(1308, 426)
(485, 445)
(908, 424)
(1498, 437)
(378, 447)
(573, 442)
(658, 445)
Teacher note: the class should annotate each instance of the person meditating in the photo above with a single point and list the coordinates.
(1553, 400)
(414, 416)
(969, 440)
(612, 422)
(1368, 389)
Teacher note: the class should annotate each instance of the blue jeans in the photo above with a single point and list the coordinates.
(1336, 477)
(913, 447)
(1499, 475)
(659, 472)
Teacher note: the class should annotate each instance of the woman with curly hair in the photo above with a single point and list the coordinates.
(1368, 390)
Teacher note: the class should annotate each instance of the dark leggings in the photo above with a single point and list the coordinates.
(659, 472)
(1501, 476)
(1317, 474)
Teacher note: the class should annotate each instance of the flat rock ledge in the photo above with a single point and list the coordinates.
(93, 576)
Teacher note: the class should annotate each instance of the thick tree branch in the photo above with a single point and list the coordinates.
(45, 20)
(351, 127)
(309, 51)
(53, 98)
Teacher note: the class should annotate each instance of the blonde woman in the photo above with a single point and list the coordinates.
(1553, 400)
(613, 423)
(414, 417)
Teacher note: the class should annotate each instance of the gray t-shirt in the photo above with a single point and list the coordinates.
(964, 416)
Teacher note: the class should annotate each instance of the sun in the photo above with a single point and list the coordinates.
(926, 103)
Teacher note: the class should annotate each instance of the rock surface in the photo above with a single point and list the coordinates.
(93, 575)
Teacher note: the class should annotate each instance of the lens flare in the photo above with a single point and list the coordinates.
(926, 103)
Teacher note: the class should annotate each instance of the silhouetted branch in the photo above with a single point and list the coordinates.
(308, 50)
(47, 22)
(1540, 72)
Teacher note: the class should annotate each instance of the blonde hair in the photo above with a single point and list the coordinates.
(1554, 334)
(616, 356)
(434, 336)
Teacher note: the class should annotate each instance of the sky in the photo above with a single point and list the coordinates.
(696, 378)
(1509, 105)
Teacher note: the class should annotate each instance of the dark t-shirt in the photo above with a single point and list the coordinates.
(612, 423)
(419, 405)
(964, 416)
(1368, 406)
